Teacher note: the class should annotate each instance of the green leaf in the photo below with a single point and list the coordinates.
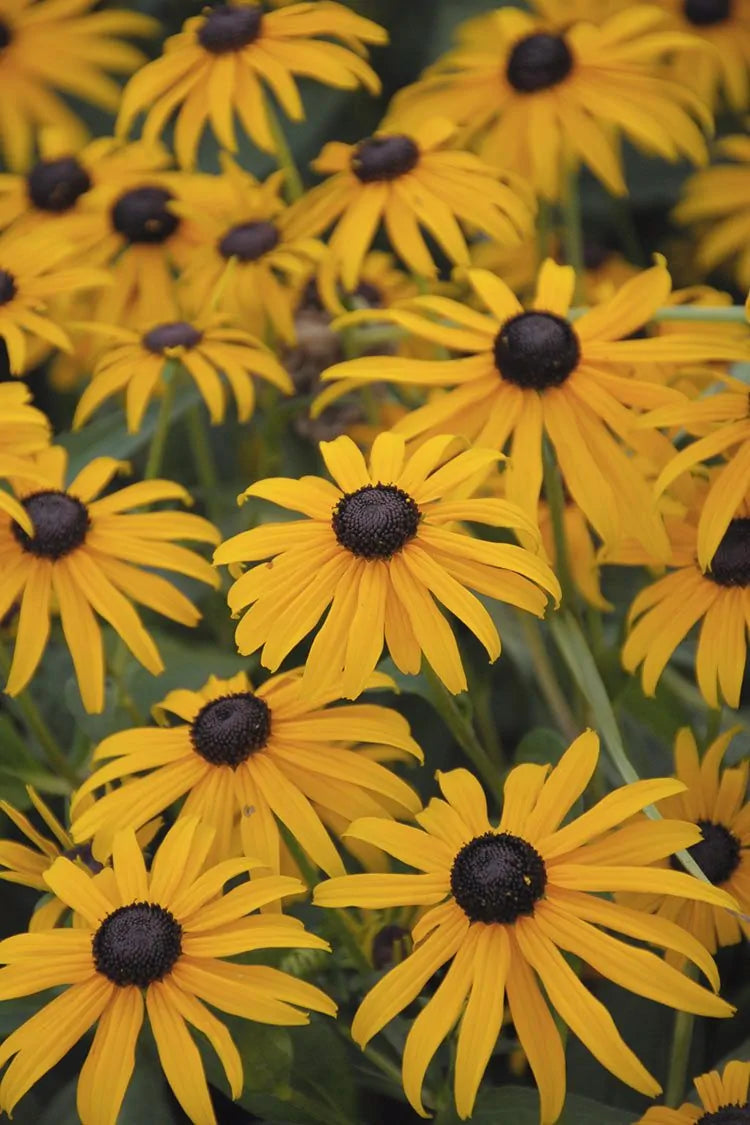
(266, 1054)
(542, 746)
(519, 1105)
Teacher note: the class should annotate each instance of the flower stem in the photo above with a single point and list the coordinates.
(203, 457)
(294, 186)
(159, 439)
(726, 314)
(36, 723)
(679, 1056)
(572, 230)
(553, 490)
(546, 678)
(462, 730)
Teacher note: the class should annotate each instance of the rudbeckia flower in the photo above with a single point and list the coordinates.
(530, 373)
(406, 180)
(715, 800)
(218, 64)
(246, 252)
(206, 346)
(160, 938)
(375, 548)
(24, 429)
(46, 46)
(87, 557)
(717, 198)
(723, 1100)
(507, 901)
(257, 755)
(723, 70)
(541, 97)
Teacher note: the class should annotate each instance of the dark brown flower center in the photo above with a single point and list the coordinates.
(367, 295)
(142, 215)
(137, 944)
(55, 185)
(536, 350)
(538, 61)
(497, 877)
(727, 1115)
(227, 28)
(376, 521)
(226, 731)
(730, 565)
(249, 241)
(8, 287)
(6, 34)
(176, 334)
(704, 13)
(717, 854)
(384, 158)
(60, 523)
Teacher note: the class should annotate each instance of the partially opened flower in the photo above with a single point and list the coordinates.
(717, 200)
(723, 1100)
(376, 548)
(257, 756)
(161, 938)
(87, 557)
(508, 900)
(406, 179)
(217, 66)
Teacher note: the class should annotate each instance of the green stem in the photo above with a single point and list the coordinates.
(572, 231)
(553, 491)
(203, 458)
(679, 1056)
(294, 186)
(546, 678)
(159, 439)
(462, 730)
(36, 723)
(728, 314)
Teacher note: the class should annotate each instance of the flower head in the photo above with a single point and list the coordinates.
(722, 72)
(723, 1100)
(507, 900)
(717, 199)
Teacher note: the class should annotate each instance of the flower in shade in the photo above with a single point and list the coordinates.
(723, 1100)
(159, 937)
(257, 755)
(409, 179)
(203, 344)
(47, 47)
(530, 373)
(715, 800)
(218, 65)
(376, 547)
(717, 198)
(247, 254)
(723, 70)
(542, 97)
(508, 901)
(89, 556)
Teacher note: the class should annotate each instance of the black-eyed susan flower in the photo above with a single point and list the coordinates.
(160, 939)
(715, 800)
(541, 97)
(47, 46)
(24, 429)
(405, 180)
(86, 557)
(247, 253)
(716, 198)
(723, 1100)
(218, 65)
(722, 72)
(526, 374)
(508, 900)
(254, 755)
(375, 548)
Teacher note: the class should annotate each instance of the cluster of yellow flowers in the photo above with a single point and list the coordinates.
(534, 413)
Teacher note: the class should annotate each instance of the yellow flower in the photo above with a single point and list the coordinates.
(217, 65)
(46, 46)
(408, 178)
(541, 97)
(719, 196)
(257, 755)
(87, 556)
(723, 1100)
(722, 70)
(24, 429)
(507, 900)
(714, 799)
(376, 549)
(531, 373)
(161, 936)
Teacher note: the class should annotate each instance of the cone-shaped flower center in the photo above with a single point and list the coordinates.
(536, 350)
(717, 854)
(141, 215)
(8, 288)
(60, 523)
(228, 730)
(727, 1115)
(176, 334)
(55, 185)
(497, 877)
(384, 158)
(137, 944)
(730, 566)
(539, 61)
(376, 521)
(249, 241)
(703, 13)
(230, 29)
(6, 35)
